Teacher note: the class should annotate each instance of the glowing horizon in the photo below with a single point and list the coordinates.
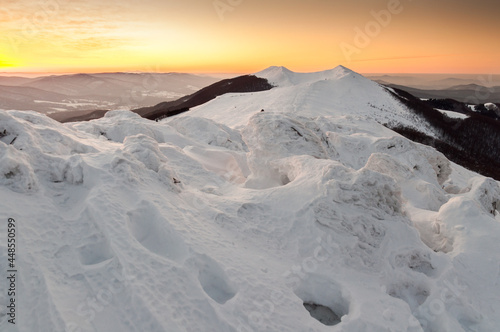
(236, 36)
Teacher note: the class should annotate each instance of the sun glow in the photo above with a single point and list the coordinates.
(193, 36)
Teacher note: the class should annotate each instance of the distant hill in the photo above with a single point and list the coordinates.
(248, 83)
(13, 80)
(436, 81)
(88, 92)
(471, 93)
(27, 98)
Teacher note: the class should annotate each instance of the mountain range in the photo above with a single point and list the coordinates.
(436, 81)
(87, 92)
(471, 94)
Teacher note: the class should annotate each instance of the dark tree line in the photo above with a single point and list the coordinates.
(473, 142)
(448, 105)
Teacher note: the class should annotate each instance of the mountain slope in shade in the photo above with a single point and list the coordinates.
(243, 84)
(307, 216)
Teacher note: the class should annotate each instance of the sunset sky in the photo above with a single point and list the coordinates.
(244, 36)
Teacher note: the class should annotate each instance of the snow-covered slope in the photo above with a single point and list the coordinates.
(336, 92)
(231, 219)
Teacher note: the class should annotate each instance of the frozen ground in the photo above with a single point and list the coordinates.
(231, 219)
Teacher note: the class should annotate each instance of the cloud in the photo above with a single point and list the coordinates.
(95, 43)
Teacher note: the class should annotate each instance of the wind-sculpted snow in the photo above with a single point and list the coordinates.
(209, 132)
(271, 136)
(16, 174)
(485, 191)
(287, 221)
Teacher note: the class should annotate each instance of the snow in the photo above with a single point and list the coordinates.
(165, 94)
(330, 93)
(230, 219)
(491, 107)
(453, 115)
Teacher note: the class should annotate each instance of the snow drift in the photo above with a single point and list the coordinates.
(309, 216)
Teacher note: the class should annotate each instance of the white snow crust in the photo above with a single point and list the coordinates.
(453, 115)
(227, 218)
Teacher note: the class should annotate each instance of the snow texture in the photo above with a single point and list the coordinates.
(308, 216)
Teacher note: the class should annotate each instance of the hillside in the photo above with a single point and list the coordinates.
(290, 209)
(70, 96)
(243, 84)
(471, 93)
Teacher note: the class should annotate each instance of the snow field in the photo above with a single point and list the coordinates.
(231, 219)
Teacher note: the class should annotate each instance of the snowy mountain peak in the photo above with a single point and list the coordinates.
(274, 69)
(277, 75)
(334, 92)
(341, 71)
(282, 76)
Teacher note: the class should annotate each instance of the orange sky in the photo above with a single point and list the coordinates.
(244, 36)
